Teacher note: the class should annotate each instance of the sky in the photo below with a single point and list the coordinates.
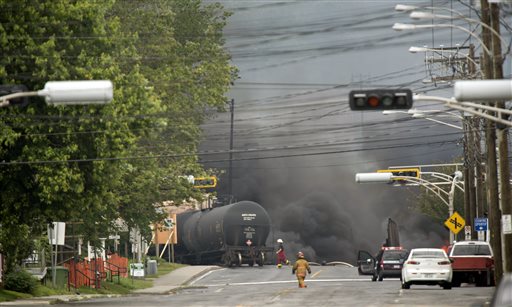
(297, 145)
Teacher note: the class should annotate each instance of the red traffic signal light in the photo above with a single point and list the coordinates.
(380, 99)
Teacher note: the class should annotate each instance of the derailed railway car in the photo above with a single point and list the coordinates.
(229, 235)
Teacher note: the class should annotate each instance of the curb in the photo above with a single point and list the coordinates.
(196, 276)
(50, 300)
(55, 299)
(176, 288)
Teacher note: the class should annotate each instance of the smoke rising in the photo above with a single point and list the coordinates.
(286, 97)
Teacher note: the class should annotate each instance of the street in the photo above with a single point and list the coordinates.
(327, 286)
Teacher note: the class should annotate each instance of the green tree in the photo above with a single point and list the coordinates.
(179, 47)
(96, 164)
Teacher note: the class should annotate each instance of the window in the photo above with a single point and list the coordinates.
(395, 255)
(477, 249)
(428, 254)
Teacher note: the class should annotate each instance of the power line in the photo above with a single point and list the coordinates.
(204, 153)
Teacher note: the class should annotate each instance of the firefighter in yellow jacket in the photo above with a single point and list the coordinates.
(300, 268)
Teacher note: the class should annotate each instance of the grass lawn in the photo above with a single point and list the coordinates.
(125, 285)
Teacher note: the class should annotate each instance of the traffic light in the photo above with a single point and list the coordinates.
(380, 99)
(205, 182)
(405, 172)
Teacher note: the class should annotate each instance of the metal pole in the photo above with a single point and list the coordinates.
(52, 255)
(172, 253)
(450, 205)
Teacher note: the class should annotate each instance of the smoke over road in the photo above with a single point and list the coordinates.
(298, 146)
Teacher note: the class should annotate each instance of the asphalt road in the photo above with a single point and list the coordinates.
(327, 286)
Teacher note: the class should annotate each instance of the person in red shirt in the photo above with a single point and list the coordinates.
(281, 256)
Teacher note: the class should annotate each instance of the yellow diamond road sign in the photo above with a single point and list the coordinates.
(455, 223)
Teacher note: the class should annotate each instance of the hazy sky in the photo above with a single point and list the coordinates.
(298, 60)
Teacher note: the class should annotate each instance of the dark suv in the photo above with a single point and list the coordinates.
(387, 263)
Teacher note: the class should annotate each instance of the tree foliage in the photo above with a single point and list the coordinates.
(95, 164)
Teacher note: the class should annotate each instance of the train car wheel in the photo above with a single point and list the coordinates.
(239, 259)
(227, 260)
(261, 259)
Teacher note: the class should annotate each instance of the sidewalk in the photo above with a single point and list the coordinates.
(162, 285)
(176, 279)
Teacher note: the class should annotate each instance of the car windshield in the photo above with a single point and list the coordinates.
(476, 249)
(394, 255)
(427, 254)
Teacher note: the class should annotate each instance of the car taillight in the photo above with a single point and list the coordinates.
(444, 263)
(413, 262)
(489, 263)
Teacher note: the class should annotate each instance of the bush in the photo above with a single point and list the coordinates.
(20, 281)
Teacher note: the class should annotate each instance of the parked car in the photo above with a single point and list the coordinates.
(387, 263)
(427, 266)
(472, 262)
(503, 294)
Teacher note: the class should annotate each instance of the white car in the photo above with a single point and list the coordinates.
(427, 266)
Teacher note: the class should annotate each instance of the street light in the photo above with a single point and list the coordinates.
(483, 90)
(492, 113)
(415, 113)
(426, 15)
(374, 177)
(404, 26)
(432, 186)
(69, 93)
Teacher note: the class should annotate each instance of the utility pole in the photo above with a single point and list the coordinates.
(491, 171)
(506, 206)
(480, 194)
(469, 170)
(230, 180)
(477, 209)
(477, 148)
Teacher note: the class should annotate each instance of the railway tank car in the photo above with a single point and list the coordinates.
(233, 234)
